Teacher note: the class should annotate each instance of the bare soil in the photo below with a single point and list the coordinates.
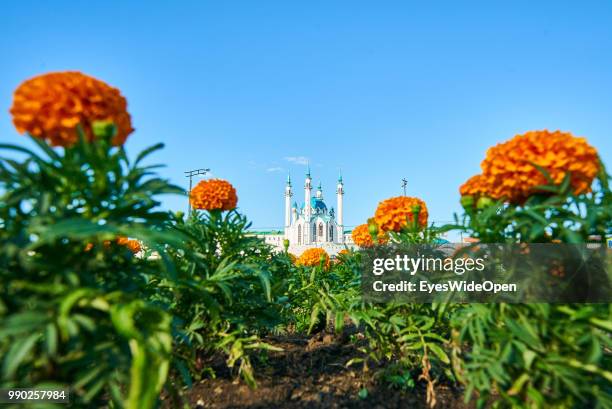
(311, 373)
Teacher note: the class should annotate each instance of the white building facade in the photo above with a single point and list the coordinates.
(312, 224)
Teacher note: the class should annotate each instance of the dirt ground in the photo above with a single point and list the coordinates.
(311, 373)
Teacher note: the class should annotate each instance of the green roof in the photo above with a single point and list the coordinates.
(265, 232)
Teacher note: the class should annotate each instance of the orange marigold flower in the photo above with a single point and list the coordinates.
(475, 186)
(341, 256)
(362, 237)
(312, 257)
(213, 194)
(509, 173)
(50, 107)
(133, 245)
(394, 214)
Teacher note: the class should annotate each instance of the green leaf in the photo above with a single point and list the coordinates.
(265, 283)
(537, 217)
(42, 144)
(147, 152)
(25, 322)
(439, 352)
(564, 188)
(16, 354)
(544, 172)
(518, 384)
(148, 332)
(528, 357)
(22, 150)
(314, 318)
(51, 339)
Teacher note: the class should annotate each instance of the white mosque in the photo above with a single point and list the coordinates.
(312, 224)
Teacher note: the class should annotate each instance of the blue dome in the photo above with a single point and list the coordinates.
(317, 204)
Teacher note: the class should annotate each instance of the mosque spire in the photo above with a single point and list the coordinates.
(319, 191)
(288, 194)
(339, 208)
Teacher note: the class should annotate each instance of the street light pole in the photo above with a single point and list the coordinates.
(404, 184)
(190, 174)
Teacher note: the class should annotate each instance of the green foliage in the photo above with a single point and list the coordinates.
(536, 355)
(79, 310)
(410, 339)
(221, 297)
(403, 342)
(316, 296)
(405, 338)
(70, 304)
(558, 214)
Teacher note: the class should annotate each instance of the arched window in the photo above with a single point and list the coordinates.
(321, 230)
(299, 234)
(331, 233)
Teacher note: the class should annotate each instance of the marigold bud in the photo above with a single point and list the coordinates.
(103, 129)
(373, 230)
(484, 202)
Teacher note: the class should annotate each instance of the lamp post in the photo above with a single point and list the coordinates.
(190, 174)
(404, 184)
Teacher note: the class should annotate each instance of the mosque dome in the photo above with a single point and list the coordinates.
(317, 204)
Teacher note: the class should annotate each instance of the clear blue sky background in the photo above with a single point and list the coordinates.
(383, 90)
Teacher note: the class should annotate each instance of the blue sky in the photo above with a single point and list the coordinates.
(383, 90)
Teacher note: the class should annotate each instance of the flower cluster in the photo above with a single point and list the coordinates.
(50, 107)
(509, 171)
(213, 194)
(395, 213)
(313, 257)
(362, 237)
(133, 245)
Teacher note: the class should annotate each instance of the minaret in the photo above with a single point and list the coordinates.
(339, 215)
(307, 208)
(319, 194)
(288, 195)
